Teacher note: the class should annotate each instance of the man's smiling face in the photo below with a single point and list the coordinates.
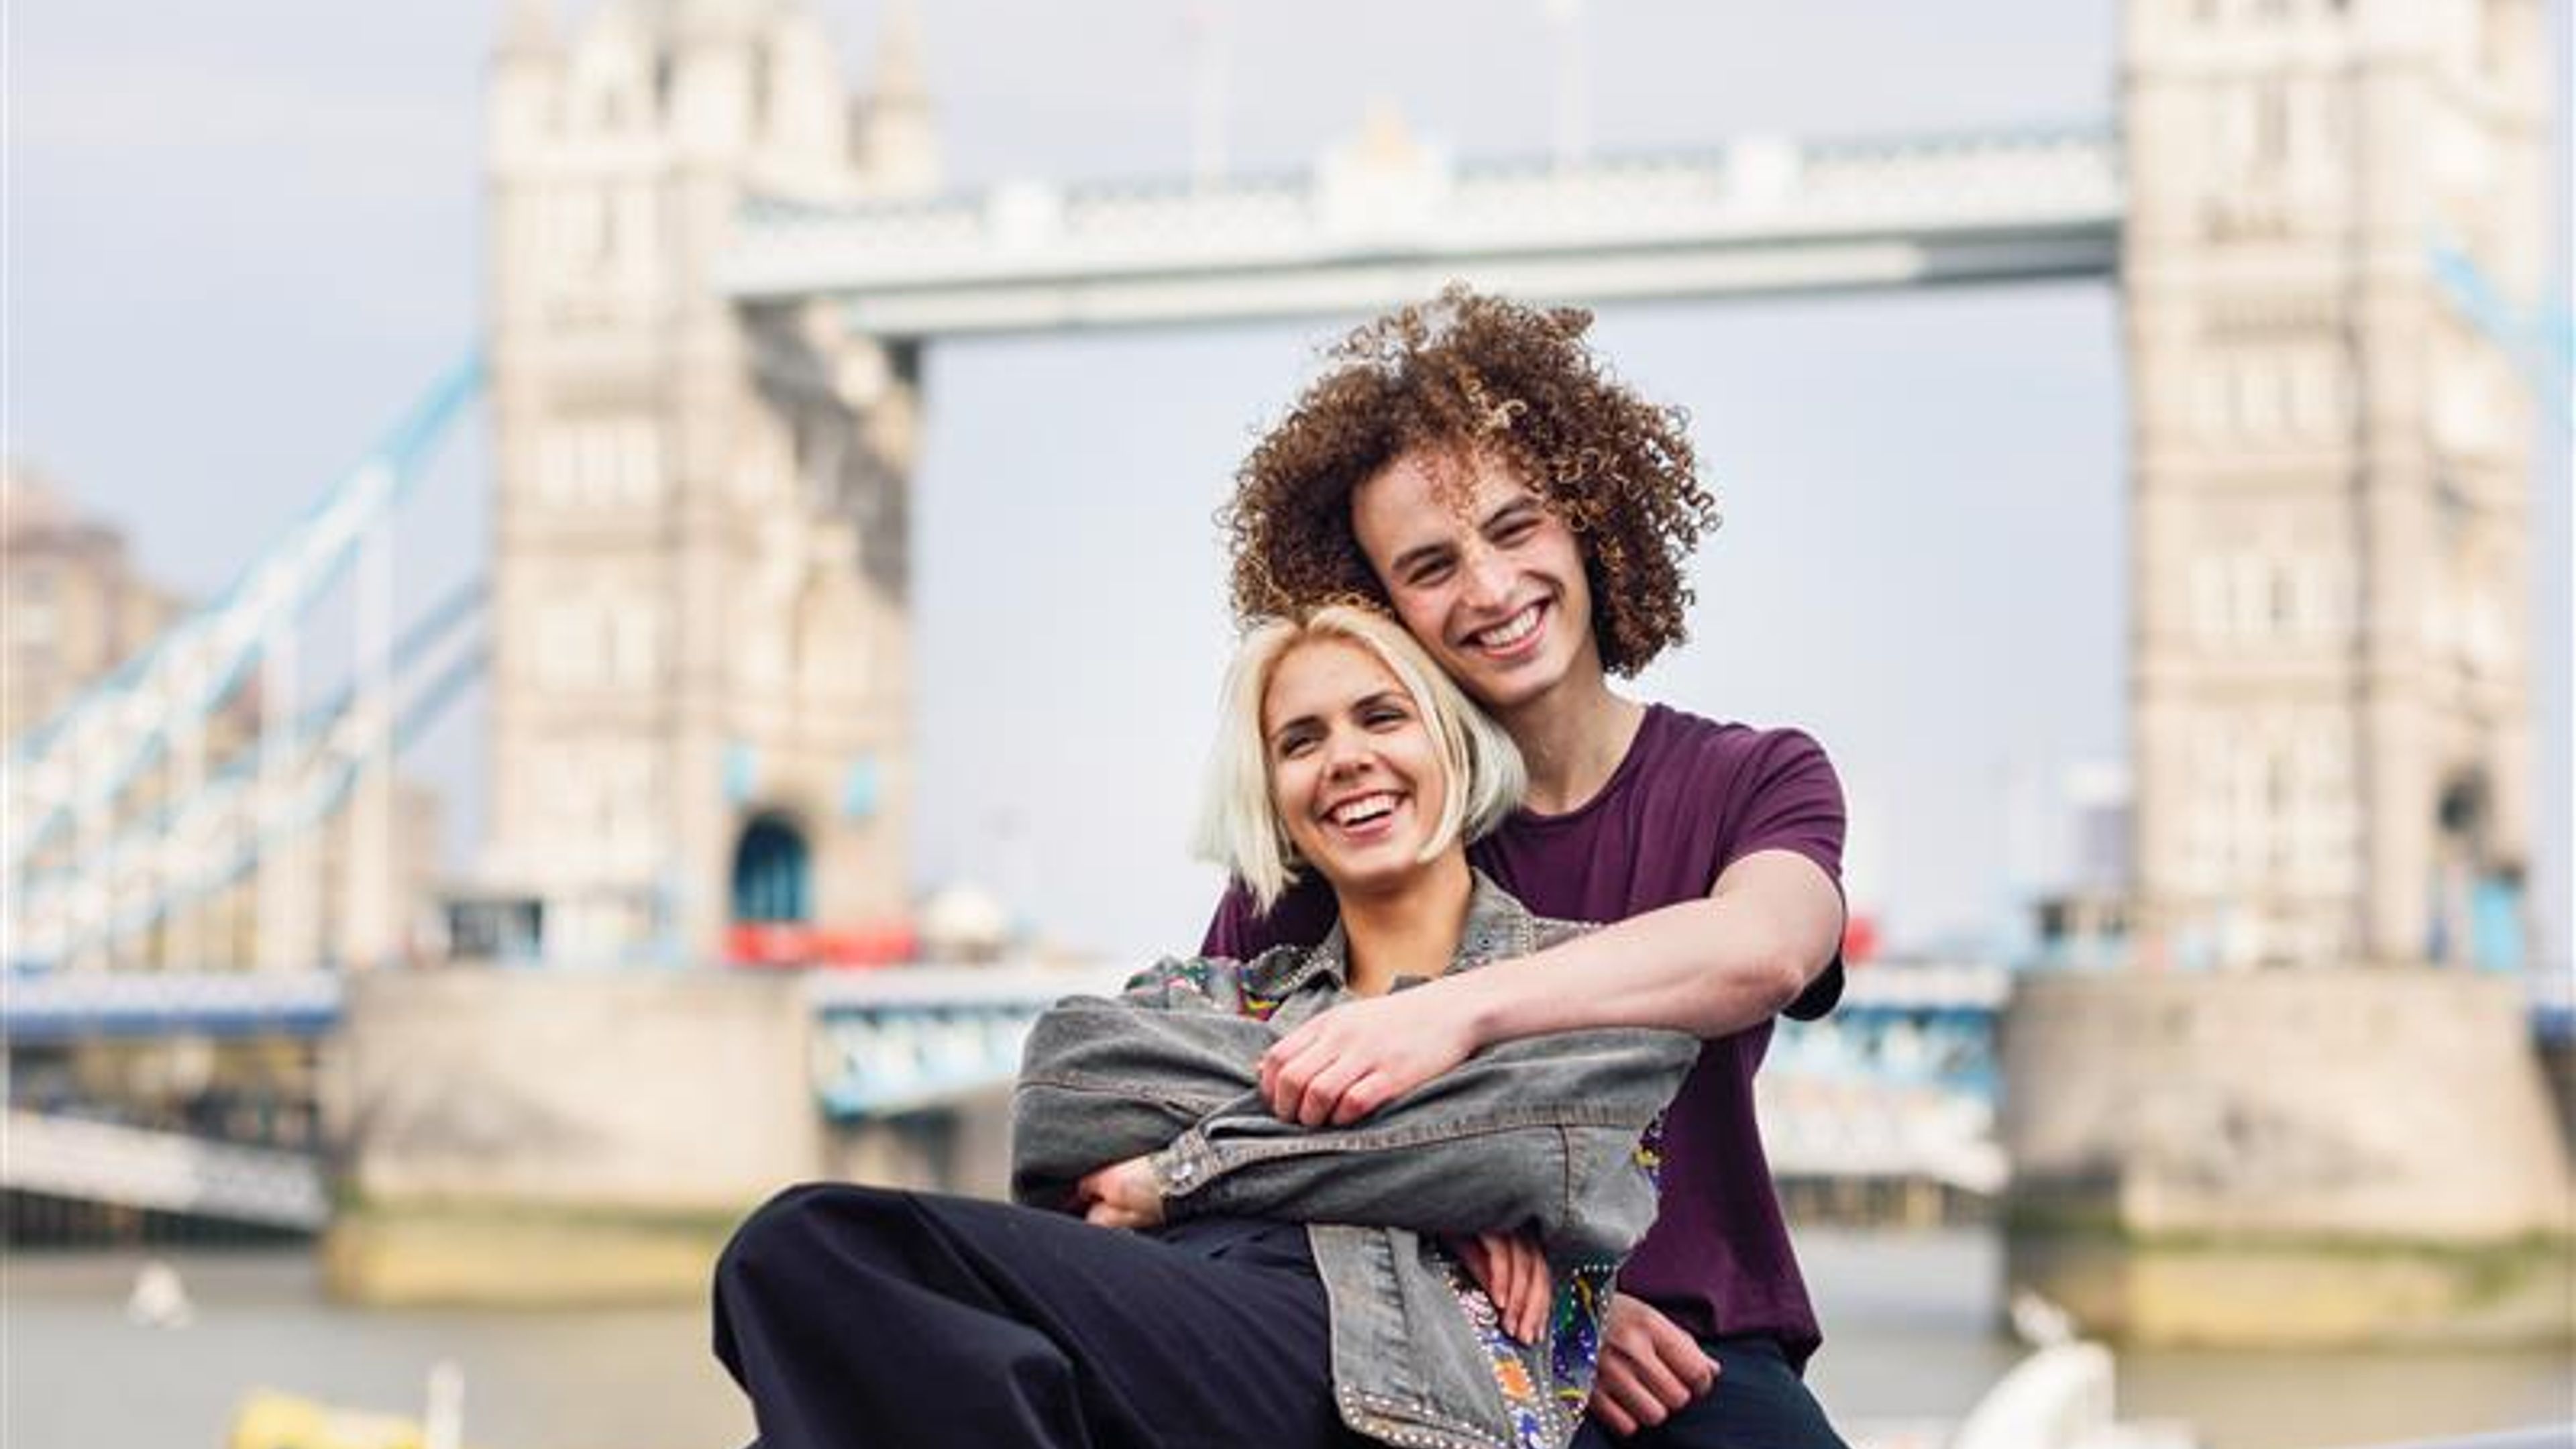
(1481, 571)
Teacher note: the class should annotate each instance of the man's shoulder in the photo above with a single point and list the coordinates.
(1676, 732)
(1691, 755)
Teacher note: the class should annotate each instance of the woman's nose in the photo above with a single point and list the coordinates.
(1345, 751)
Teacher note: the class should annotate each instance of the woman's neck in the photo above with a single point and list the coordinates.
(1572, 738)
(1409, 930)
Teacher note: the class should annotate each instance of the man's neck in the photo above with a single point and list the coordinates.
(1572, 738)
(1411, 931)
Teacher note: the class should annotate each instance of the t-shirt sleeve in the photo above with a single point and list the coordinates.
(1240, 931)
(1793, 801)
(1233, 931)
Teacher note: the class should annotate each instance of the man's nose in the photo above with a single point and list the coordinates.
(1488, 580)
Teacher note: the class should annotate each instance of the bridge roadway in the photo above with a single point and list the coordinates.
(1899, 1083)
(900, 1040)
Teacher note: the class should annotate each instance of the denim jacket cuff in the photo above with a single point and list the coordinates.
(1182, 1169)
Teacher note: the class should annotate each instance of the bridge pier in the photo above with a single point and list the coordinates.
(2291, 1158)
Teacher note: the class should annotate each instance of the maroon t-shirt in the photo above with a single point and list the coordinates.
(1691, 798)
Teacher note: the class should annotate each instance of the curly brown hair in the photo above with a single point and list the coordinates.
(1468, 373)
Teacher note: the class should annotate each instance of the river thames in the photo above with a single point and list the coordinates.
(1909, 1320)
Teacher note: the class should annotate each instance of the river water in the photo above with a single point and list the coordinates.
(1908, 1318)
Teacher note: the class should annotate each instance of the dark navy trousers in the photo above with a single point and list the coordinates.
(863, 1318)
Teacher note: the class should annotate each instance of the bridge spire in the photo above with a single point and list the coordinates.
(528, 28)
(1573, 138)
(894, 145)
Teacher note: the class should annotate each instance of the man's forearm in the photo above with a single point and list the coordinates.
(1708, 967)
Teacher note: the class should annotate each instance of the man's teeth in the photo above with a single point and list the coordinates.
(1352, 812)
(1512, 630)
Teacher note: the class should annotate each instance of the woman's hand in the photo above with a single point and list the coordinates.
(1347, 1062)
(1649, 1368)
(1121, 1195)
(1513, 1273)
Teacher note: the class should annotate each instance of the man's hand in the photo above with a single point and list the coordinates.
(1649, 1368)
(1513, 1273)
(1121, 1195)
(1349, 1061)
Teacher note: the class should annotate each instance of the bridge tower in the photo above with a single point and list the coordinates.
(2330, 717)
(2329, 710)
(700, 671)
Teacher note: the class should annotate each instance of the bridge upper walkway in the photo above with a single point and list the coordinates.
(1386, 220)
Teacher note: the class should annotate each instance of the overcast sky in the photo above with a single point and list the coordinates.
(241, 238)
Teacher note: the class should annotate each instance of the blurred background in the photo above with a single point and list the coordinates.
(603, 598)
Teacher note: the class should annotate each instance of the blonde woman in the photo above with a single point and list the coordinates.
(1182, 1268)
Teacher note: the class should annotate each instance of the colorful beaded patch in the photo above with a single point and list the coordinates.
(1573, 1352)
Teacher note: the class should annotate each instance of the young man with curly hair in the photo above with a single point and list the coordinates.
(1470, 465)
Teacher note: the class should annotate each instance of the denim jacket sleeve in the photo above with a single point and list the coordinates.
(1104, 1080)
(1539, 1133)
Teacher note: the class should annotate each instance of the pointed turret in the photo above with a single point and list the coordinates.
(894, 145)
(523, 99)
(527, 28)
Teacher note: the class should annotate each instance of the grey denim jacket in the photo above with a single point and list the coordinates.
(1550, 1134)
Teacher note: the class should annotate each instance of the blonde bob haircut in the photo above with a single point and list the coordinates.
(1239, 824)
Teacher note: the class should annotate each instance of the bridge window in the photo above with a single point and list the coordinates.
(2271, 124)
(769, 872)
(586, 462)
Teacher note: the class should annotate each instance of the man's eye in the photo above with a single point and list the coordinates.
(1429, 574)
(1515, 531)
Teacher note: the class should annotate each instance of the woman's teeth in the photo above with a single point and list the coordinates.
(1363, 809)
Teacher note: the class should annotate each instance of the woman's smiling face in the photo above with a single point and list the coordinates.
(1355, 771)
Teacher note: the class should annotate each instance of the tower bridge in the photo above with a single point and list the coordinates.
(712, 274)
(709, 292)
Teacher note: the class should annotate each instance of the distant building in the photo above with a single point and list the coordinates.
(72, 604)
(2083, 917)
(73, 609)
